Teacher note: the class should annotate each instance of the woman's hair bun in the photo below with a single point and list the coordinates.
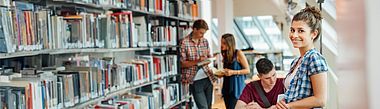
(316, 12)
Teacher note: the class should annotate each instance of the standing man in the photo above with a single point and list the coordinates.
(195, 49)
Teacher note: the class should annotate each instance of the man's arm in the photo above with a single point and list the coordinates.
(240, 104)
(186, 64)
(184, 59)
(252, 105)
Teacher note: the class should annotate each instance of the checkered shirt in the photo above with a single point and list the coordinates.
(191, 51)
(300, 86)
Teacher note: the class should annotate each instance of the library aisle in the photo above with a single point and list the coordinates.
(218, 100)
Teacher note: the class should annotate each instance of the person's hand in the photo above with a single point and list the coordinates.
(201, 63)
(272, 107)
(253, 105)
(282, 105)
(202, 58)
(228, 72)
(219, 76)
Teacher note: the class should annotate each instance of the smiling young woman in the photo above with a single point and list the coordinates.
(306, 81)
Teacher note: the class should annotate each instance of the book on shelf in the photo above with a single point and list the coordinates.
(32, 92)
(140, 32)
(169, 93)
(6, 32)
(163, 34)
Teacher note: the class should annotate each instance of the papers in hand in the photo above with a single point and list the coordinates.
(280, 97)
(204, 62)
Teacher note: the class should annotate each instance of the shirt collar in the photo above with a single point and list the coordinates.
(191, 38)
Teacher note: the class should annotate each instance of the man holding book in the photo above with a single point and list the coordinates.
(194, 50)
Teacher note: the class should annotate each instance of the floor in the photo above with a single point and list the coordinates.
(218, 100)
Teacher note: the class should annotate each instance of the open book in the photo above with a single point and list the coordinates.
(217, 72)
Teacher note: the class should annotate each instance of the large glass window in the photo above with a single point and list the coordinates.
(251, 31)
(263, 33)
(241, 43)
(330, 7)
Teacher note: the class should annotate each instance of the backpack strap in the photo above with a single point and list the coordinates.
(261, 93)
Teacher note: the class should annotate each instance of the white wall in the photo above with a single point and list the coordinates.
(373, 54)
(254, 7)
(205, 14)
(352, 61)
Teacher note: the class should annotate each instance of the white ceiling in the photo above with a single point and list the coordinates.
(255, 7)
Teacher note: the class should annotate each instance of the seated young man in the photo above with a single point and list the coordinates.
(269, 85)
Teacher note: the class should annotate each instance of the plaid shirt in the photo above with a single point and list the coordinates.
(191, 51)
(300, 86)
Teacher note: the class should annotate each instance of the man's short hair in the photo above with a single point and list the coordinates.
(200, 24)
(264, 66)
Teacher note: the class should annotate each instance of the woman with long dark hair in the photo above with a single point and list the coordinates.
(235, 66)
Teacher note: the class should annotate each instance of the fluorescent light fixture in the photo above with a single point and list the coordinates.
(251, 31)
(272, 31)
(265, 17)
(247, 19)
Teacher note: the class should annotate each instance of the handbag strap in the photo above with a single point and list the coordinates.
(261, 93)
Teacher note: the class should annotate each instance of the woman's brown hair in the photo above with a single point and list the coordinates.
(231, 46)
(312, 16)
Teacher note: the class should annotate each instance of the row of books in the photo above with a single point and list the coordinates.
(43, 95)
(186, 9)
(21, 93)
(83, 31)
(57, 87)
(169, 93)
(28, 29)
(161, 96)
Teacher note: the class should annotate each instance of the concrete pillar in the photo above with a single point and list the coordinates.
(352, 60)
(205, 14)
(225, 15)
(373, 54)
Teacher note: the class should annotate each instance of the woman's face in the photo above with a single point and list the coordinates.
(300, 34)
(223, 45)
